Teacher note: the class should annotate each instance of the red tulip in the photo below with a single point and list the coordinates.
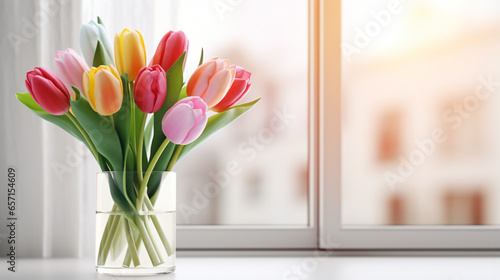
(238, 89)
(150, 88)
(171, 46)
(48, 91)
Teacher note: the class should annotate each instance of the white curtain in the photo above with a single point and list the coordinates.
(49, 204)
(55, 186)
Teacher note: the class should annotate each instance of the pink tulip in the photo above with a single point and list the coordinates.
(211, 81)
(172, 45)
(238, 89)
(69, 67)
(150, 88)
(185, 121)
(48, 91)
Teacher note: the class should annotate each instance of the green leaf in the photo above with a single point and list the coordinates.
(183, 93)
(100, 130)
(106, 140)
(99, 56)
(117, 193)
(201, 58)
(218, 121)
(62, 121)
(99, 20)
(122, 117)
(174, 86)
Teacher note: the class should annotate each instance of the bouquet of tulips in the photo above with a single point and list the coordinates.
(105, 98)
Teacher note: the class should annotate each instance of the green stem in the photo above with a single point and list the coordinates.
(175, 157)
(139, 148)
(112, 120)
(142, 189)
(105, 235)
(132, 249)
(109, 239)
(128, 256)
(157, 247)
(147, 241)
(158, 227)
(85, 135)
(132, 116)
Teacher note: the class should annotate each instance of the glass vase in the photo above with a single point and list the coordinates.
(134, 238)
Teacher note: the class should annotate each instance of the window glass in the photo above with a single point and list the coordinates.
(255, 171)
(420, 111)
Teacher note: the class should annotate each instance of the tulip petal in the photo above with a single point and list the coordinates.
(217, 88)
(142, 98)
(86, 84)
(235, 93)
(200, 78)
(134, 54)
(196, 131)
(47, 95)
(175, 46)
(118, 47)
(104, 38)
(107, 93)
(157, 58)
(52, 77)
(80, 59)
(61, 73)
(178, 122)
(74, 71)
(89, 35)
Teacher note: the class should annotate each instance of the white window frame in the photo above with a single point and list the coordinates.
(332, 235)
(195, 237)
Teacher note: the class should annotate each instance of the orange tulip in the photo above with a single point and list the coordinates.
(211, 81)
(103, 89)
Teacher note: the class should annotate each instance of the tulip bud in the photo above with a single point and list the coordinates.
(69, 67)
(90, 34)
(150, 88)
(103, 89)
(130, 53)
(171, 47)
(238, 89)
(211, 81)
(185, 121)
(48, 91)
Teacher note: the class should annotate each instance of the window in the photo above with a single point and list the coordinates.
(256, 179)
(409, 131)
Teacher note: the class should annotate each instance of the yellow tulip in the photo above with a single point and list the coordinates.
(130, 53)
(103, 89)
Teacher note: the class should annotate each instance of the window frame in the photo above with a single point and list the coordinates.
(332, 235)
(196, 237)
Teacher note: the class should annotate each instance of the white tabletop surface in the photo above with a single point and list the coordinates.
(280, 268)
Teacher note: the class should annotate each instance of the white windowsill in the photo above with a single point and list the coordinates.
(295, 267)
